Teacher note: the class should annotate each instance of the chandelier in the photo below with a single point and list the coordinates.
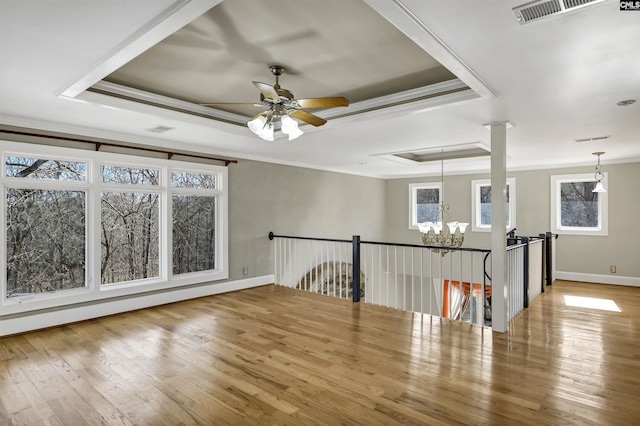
(442, 237)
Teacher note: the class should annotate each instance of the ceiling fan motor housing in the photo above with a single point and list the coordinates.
(284, 93)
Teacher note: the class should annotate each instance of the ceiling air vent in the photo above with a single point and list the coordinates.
(593, 139)
(159, 129)
(542, 8)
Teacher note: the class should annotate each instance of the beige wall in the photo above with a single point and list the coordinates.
(296, 201)
(581, 254)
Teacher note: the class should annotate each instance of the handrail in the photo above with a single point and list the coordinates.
(272, 236)
(426, 246)
(515, 246)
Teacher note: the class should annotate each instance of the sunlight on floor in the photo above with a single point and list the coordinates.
(591, 302)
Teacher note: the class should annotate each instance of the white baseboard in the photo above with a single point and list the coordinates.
(600, 279)
(68, 314)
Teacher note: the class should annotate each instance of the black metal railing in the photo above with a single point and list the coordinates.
(317, 264)
(338, 263)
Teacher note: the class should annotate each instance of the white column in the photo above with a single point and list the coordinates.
(499, 281)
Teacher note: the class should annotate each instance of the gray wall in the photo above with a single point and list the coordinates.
(296, 201)
(575, 253)
(289, 200)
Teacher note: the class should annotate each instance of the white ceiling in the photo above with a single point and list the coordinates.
(556, 80)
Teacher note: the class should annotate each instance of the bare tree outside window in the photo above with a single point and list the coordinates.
(193, 180)
(130, 226)
(485, 205)
(578, 204)
(45, 229)
(194, 233)
(130, 236)
(129, 175)
(194, 222)
(428, 204)
(33, 168)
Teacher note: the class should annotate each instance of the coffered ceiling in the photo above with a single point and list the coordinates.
(419, 74)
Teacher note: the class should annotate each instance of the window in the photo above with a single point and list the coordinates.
(575, 209)
(424, 203)
(129, 175)
(45, 241)
(44, 225)
(129, 237)
(33, 168)
(78, 226)
(194, 222)
(481, 204)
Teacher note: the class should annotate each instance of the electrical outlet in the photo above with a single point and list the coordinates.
(245, 271)
(612, 268)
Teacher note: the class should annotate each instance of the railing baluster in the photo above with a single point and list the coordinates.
(421, 281)
(386, 303)
(431, 286)
(460, 280)
(404, 279)
(395, 278)
(335, 271)
(413, 274)
(309, 275)
(378, 287)
(479, 317)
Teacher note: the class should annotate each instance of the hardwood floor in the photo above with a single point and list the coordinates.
(273, 355)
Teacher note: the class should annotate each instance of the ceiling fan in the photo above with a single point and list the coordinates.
(282, 106)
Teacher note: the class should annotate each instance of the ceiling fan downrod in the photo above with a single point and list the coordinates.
(277, 70)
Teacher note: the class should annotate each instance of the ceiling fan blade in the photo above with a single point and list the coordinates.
(323, 102)
(233, 103)
(267, 91)
(308, 117)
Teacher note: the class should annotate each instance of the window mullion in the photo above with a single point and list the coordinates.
(166, 226)
(94, 227)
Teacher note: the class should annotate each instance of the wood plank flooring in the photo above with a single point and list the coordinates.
(273, 355)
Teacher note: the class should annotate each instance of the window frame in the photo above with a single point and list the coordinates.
(413, 200)
(221, 232)
(476, 211)
(94, 187)
(556, 206)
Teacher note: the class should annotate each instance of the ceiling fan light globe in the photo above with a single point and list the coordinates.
(288, 124)
(290, 127)
(267, 132)
(257, 124)
(295, 133)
